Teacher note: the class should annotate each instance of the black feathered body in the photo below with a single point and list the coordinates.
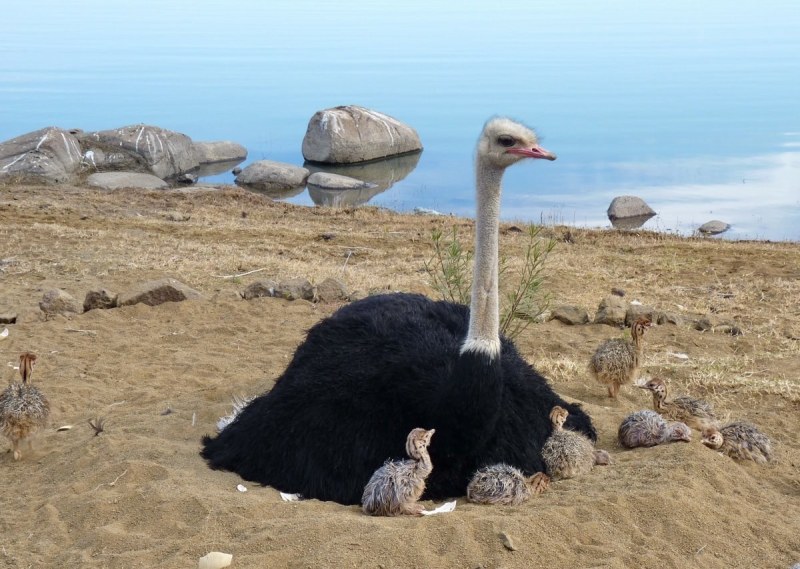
(366, 376)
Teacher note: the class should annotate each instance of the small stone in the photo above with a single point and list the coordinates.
(57, 301)
(331, 290)
(99, 299)
(8, 318)
(570, 314)
(295, 289)
(612, 311)
(617, 291)
(260, 289)
(508, 543)
(158, 292)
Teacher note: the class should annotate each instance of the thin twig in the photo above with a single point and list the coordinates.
(240, 274)
(699, 551)
(344, 267)
(92, 332)
(354, 247)
(112, 483)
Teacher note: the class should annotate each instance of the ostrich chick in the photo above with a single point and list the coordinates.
(697, 413)
(616, 361)
(393, 490)
(23, 408)
(648, 428)
(740, 440)
(504, 484)
(568, 453)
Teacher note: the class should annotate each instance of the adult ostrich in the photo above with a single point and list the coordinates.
(384, 365)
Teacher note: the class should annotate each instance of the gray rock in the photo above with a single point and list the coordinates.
(295, 289)
(327, 181)
(58, 301)
(219, 151)
(355, 134)
(332, 290)
(637, 311)
(612, 311)
(629, 212)
(158, 292)
(713, 227)
(269, 175)
(101, 299)
(671, 318)
(8, 318)
(259, 289)
(118, 180)
(164, 153)
(570, 314)
(46, 156)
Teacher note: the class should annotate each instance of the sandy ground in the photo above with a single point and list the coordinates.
(138, 494)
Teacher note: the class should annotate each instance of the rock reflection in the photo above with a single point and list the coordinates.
(383, 173)
(277, 194)
(214, 168)
(634, 222)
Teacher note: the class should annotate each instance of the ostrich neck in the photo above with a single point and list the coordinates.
(484, 316)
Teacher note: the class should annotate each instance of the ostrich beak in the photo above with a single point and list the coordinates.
(533, 152)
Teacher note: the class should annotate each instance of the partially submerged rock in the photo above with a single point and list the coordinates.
(629, 212)
(164, 153)
(713, 227)
(355, 134)
(269, 175)
(327, 181)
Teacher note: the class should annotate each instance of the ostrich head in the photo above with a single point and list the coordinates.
(712, 438)
(558, 416)
(659, 388)
(678, 432)
(639, 327)
(417, 441)
(505, 142)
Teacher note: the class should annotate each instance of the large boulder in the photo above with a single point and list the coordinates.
(164, 153)
(343, 135)
(47, 156)
(629, 212)
(270, 175)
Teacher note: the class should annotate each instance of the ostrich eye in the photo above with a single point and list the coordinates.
(506, 140)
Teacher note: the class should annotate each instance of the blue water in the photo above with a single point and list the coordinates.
(693, 106)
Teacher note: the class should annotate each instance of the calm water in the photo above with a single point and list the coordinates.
(694, 106)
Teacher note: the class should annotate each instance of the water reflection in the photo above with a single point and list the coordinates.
(757, 195)
(278, 193)
(214, 168)
(382, 173)
(633, 222)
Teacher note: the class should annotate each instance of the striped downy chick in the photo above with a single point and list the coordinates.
(568, 453)
(616, 362)
(395, 488)
(740, 440)
(504, 484)
(647, 428)
(23, 408)
(697, 413)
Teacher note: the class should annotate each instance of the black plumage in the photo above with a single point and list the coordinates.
(364, 378)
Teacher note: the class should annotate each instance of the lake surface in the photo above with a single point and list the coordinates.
(693, 106)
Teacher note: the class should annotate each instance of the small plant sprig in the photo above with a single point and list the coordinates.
(450, 270)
